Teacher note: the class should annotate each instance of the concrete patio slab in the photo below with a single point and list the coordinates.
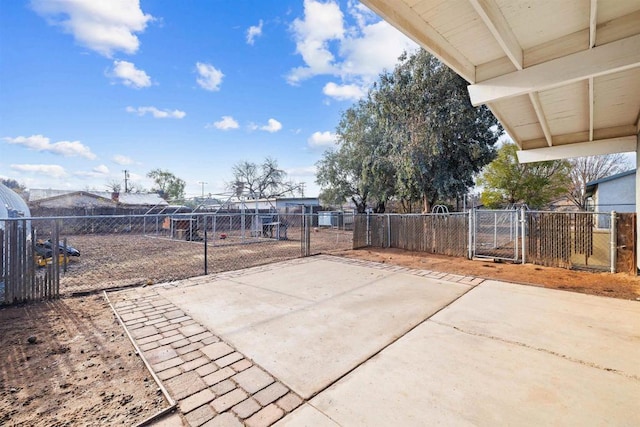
(438, 375)
(603, 332)
(309, 324)
(326, 341)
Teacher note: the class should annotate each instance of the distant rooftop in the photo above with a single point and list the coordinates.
(132, 199)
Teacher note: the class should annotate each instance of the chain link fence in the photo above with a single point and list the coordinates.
(103, 252)
(581, 240)
(584, 240)
(445, 234)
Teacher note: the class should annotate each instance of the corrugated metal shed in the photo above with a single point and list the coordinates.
(11, 204)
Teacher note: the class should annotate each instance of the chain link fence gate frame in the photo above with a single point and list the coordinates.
(104, 252)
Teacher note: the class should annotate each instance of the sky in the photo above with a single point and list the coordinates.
(90, 89)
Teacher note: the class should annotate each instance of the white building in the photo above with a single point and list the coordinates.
(613, 193)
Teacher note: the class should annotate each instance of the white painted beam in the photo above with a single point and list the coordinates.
(638, 201)
(535, 100)
(601, 60)
(625, 144)
(591, 108)
(405, 19)
(496, 23)
(593, 23)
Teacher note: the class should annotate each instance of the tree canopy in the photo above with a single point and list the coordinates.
(415, 137)
(262, 181)
(587, 169)
(167, 185)
(507, 182)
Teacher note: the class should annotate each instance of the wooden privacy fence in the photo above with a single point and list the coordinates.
(445, 234)
(21, 280)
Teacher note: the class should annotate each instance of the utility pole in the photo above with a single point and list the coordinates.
(302, 184)
(202, 183)
(126, 181)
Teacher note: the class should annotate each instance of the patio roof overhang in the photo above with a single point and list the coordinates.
(562, 76)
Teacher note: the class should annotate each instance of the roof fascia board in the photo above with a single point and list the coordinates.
(496, 23)
(406, 20)
(613, 57)
(624, 144)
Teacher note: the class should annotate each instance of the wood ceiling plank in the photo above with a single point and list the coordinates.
(499, 27)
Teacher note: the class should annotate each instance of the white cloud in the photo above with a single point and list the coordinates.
(253, 32)
(97, 172)
(322, 23)
(210, 77)
(354, 53)
(322, 139)
(272, 126)
(54, 171)
(226, 123)
(129, 75)
(157, 113)
(344, 92)
(122, 160)
(103, 26)
(42, 143)
(101, 169)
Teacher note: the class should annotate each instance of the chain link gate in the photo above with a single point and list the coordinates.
(495, 234)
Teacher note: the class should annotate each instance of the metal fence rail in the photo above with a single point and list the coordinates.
(102, 252)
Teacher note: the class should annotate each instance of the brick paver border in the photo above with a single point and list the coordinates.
(213, 383)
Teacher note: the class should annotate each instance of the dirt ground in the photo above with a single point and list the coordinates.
(69, 362)
(82, 370)
(118, 260)
(619, 285)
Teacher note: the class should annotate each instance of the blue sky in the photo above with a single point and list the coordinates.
(90, 88)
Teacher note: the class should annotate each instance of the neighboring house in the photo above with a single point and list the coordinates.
(280, 204)
(613, 193)
(562, 204)
(77, 203)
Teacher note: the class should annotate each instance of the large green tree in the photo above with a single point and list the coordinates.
(415, 138)
(505, 181)
(167, 185)
(360, 168)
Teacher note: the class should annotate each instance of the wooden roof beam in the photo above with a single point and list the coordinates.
(591, 108)
(405, 19)
(535, 100)
(496, 23)
(624, 144)
(601, 60)
(593, 23)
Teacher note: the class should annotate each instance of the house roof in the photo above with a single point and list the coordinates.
(591, 184)
(128, 199)
(562, 76)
